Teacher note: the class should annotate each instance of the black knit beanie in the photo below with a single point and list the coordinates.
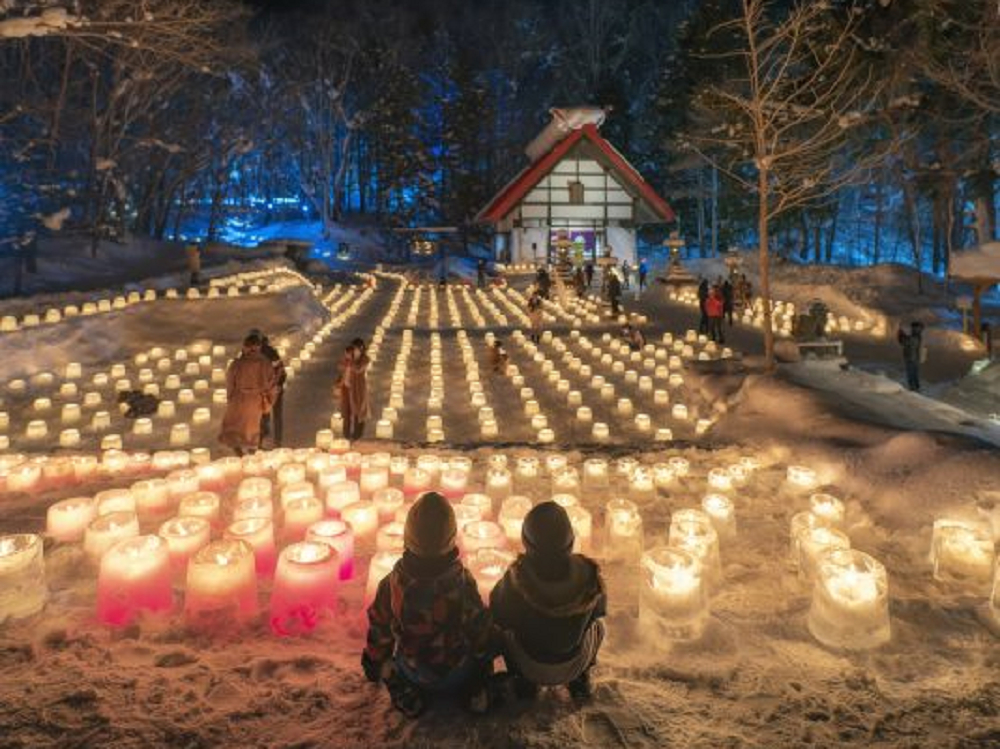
(547, 531)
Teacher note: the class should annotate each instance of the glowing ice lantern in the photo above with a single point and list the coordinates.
(963, 553)
(114, 500)
(185, 536)
(498, 483)
(481, 534)
(814, 543)
(641, 484)
(221, 583)
(720, 480)
(720, 510)
(107, 530)
(693, 531)
(67, 520)
(22, 576)
(387, 501)
(680, 466)
(258, 533)
(305, 587)
(679, 412)
(827, 508)
(850, 602)
(801, 478)
(37, 429)
(600, 431)
(152, 499)
(482, 503)
(511, 516)
(488, 567)
(300, 514)
(381, 565)
(673, 600)
(623, 531)
(415, 481)
(454, 482)
(362, 517)
(373, 478)
(338, 535)
(584, 414)
(583, 528)
(135, 576)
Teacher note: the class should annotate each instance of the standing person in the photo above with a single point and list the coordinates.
(727, 300)
(643, 272)
(579, 282)
(702, 299)
(272, 424)
(481, 274)
(549, 607)
(715, 311)
(913, 353)
(614, 292)
(428, 630)
(193, 252)
(250, 393)
(588, 272)
(626, 274)
(543, 282)
(498, 357)
(353, 386)
(535, 317)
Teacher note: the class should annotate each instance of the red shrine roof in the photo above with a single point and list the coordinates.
(511, 195)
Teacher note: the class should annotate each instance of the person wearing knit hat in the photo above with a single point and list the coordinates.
(549, 607)
(428, 631)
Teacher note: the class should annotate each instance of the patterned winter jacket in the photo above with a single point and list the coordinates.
(549, 617)
(428, 613)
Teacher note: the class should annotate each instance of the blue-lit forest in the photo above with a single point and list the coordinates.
(184, 120)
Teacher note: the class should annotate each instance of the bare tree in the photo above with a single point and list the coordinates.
(783, 122)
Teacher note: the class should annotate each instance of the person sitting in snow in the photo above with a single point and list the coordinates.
(634, 337)
(428, 630)
(549, 607)
(913, 353)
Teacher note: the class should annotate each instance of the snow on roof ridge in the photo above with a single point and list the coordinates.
(564, 121)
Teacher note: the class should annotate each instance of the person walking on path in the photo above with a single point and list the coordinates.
(913, 353)
(702, 299)
(614, 293)
(715, 310)
(579, 282)
(727, 300)
(535, 317)
(543, 283)
(588, 271)
(626, 275)
(481, 274)
(643, 272)
(272, 424)
(353, 386)
(250, 393)
(193, 253)
(549, 607)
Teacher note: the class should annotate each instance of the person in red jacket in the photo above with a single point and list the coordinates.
(715, 308)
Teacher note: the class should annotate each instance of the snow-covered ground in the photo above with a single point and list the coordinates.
(755, 678)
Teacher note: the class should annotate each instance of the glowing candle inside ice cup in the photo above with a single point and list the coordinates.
(338, 535)
(221, 583)
(258, 533)
(67, 520)
(673, 601)
(850, 603)
(305, 587)
(135, 576)
(22, 576)
(184, 537)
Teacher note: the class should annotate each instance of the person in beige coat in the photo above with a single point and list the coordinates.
(352, 384)
(250, 389)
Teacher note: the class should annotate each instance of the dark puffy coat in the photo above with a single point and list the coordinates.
(549, 617)
(428, 612)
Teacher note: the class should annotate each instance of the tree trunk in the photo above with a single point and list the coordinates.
(701, 214)
(877, 251)
(765, 269)
(715, 211)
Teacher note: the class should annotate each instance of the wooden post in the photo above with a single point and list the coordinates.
(977, 310)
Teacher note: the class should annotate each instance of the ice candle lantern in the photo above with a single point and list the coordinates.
(22, 576)
(362, 517)
(184, 537)
(67, 520)
(962, 553)
(258, 533)
(693, 531)
(107, 530)
(673, 600)
(623, 531)
(850, 602)
(305, 586)
(337, 535)
(221, 582)
(481, 534)
(135, 576)
(814, 543)
(381, 565)
(511, 516)
(488, 566)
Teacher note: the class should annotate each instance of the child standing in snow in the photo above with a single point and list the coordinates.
(912, 344)
(428, 630)
(715, 309)
(549, 606)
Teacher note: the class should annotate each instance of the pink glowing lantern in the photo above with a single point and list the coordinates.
(338, 535)
(416, 480)
(511, 516)
(254, 507)
(372, 479)
(67, 520)
(387, 502)
(134, 577)
(454, 482)
(114, 500)
(221, 583)
(482, 502)
(185, 536)
(305, 587)
(258, 533)
(362, 517)
(296, 491)
(341, 495)
(152, 499)
(202, 505)
(254, 487)
(300, 513)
